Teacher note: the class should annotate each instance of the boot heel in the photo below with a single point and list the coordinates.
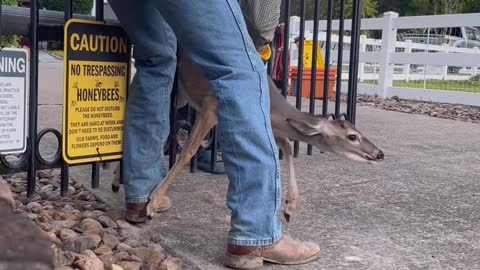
(243, 262)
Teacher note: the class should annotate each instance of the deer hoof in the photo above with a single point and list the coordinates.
(287, 216)
(115, 188)
(289, 210)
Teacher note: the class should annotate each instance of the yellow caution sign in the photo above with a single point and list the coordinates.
(97, 75)
(308, 55)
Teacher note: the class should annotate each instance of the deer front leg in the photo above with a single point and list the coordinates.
(291, 203)
(204, 122)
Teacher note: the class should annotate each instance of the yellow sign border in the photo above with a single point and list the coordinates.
(100, 157)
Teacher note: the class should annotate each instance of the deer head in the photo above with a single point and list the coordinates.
(337, 136)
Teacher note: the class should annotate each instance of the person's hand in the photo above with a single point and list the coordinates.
(6, 196)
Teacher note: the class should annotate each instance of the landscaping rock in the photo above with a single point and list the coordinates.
(91, 226)
(110, 241)
(83, 234)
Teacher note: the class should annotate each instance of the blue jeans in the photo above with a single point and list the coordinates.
(215, 35)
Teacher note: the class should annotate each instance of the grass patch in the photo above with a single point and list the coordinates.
(57, 53)
(472, 85)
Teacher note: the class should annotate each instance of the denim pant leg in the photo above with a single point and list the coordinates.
(148, 103)
(215, 34)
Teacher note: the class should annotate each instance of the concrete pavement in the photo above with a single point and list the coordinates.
(419, 209)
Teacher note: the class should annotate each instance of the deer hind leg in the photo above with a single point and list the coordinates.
(116, 178)
(204, 122)
(291, 203)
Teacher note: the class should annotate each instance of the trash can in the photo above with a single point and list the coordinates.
(319, 82)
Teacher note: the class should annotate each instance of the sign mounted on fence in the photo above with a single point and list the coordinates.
(13, 100)
(97, 75)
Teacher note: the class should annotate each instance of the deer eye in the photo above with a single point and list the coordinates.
(352, 137)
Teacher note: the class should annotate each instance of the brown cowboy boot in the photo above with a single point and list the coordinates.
(137, 212)
(285, 251)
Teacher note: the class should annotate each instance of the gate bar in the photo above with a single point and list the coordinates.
(301, 44)
(354, 51)
(213, 149)
(314, 64)
(326, 82)
(191, 119)
(286, 45)
(33, 99)
(0, 20)
(285, 55)
(338, 94)
(64, 171)
(357, 58)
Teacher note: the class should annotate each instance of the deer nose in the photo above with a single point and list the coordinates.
(380, 155)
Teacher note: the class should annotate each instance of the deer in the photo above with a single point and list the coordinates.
(288, 123)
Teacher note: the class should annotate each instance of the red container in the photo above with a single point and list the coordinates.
(319, 82)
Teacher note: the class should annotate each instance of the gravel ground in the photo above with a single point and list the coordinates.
(457, 112)
(86, 234)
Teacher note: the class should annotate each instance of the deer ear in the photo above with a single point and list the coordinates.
(307, 127)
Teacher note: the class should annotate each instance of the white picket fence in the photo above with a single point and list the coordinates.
(387, 60)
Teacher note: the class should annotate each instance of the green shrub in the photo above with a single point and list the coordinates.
(10, 40)
(79, 6)
(475, 78)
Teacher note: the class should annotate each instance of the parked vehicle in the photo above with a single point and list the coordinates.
(462, 37)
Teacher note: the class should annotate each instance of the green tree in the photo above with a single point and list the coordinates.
(429, 7)
(369, 8)
(79, 6)
(471, 6)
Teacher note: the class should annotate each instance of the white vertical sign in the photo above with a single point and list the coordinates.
(13, 100)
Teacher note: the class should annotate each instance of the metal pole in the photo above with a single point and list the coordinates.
(68, 13)
(0, 20)
(352, 82)
(286, 45)
(326, 82)
(338, 94)
(99, 10)
(285, 56)
(96, 165)
(356, 59)
(298, 94)
(191, 120)
(32, 166)
(314, 64)
(214, 150)
(64, 171)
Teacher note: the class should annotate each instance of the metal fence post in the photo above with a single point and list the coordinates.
(65, 169)
(353, 67)
(338, 87)
(301, 45)
(96, 165)
(389, 38)
(314, 65)
(286, 48)
(0, 19)
(33, 99)
(328, 43)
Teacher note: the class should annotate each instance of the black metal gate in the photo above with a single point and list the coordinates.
(48, 26)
